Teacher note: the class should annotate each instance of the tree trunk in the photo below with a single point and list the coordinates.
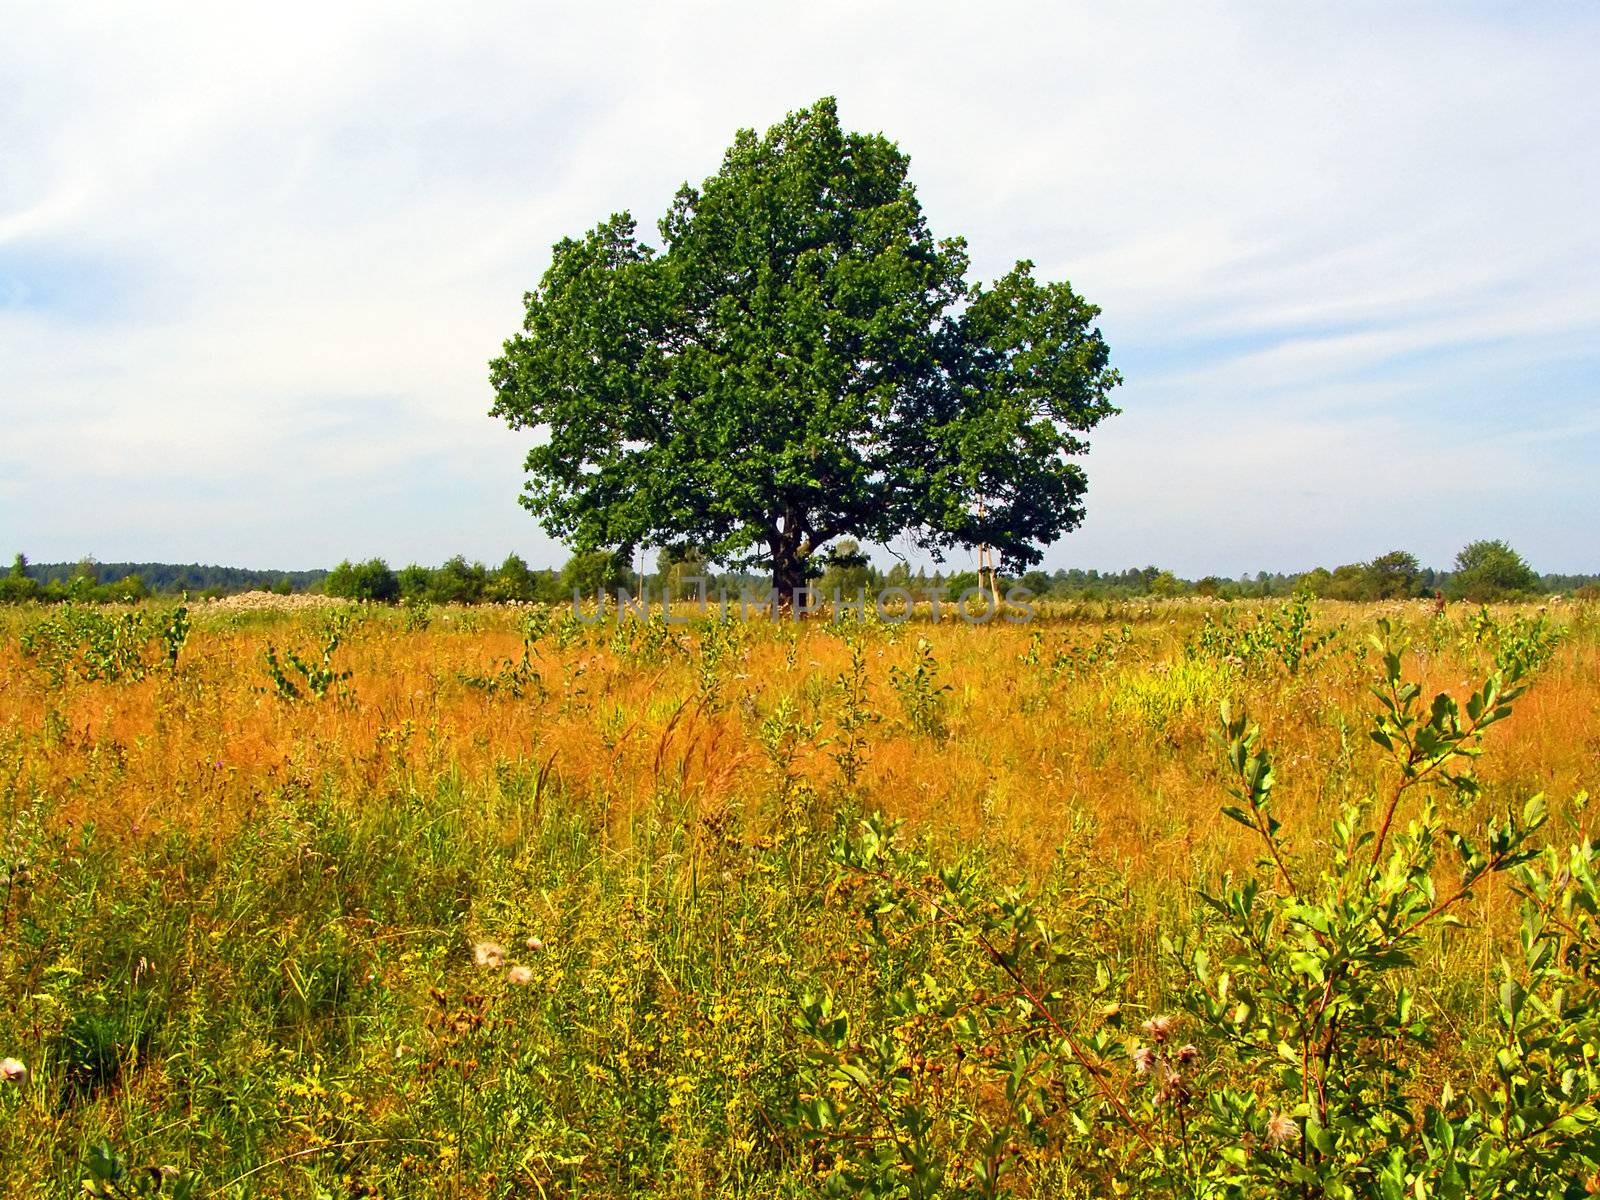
(788, 574)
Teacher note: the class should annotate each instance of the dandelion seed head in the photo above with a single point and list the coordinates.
(519, 975)
(489, 954)
(534, 943)
(13, 1070)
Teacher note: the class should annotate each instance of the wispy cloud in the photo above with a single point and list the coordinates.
(253, 263)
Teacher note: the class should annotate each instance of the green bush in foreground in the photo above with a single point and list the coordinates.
(1298, 1064)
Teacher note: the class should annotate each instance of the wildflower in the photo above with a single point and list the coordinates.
(1281, 1130)
(1173, 1089)
(489, 954)
(1144, 1060)
(13, 1071)
(534, 943)
(1188, 1054)
(519, 975)
(1157, 1028)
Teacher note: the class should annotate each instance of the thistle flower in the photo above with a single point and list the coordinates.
(519, 975)
(489, 954)
(13, 1070)
(1281, 1130)
(1188, 1054)
(1173, 1089)
(1158, 1028)
(1144, 1060)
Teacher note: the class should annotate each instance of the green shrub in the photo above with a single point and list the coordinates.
(1299, 1064)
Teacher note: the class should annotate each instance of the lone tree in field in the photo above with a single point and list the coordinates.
(1491, 570)
(801, 360)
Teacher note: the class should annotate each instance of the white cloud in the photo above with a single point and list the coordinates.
(257, 259)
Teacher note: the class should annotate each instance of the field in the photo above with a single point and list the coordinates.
(478, 902)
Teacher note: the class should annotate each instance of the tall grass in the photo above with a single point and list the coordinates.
(240, 920)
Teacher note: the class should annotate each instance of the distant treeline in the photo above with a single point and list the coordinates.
(1484, 570)
(97, 582)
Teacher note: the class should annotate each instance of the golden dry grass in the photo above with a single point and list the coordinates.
(1030, 757)
(635, 765)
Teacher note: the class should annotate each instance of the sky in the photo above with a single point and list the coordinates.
(254, 259)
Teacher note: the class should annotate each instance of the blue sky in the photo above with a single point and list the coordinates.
(253, 260)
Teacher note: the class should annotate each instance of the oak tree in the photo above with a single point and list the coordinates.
(801, 360)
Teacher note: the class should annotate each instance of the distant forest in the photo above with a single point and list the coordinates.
(1484, 570)
(175, 577)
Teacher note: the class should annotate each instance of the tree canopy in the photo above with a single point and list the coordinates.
(1395, 575)
(1491, 570)
(370, 580)
(801, 360)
